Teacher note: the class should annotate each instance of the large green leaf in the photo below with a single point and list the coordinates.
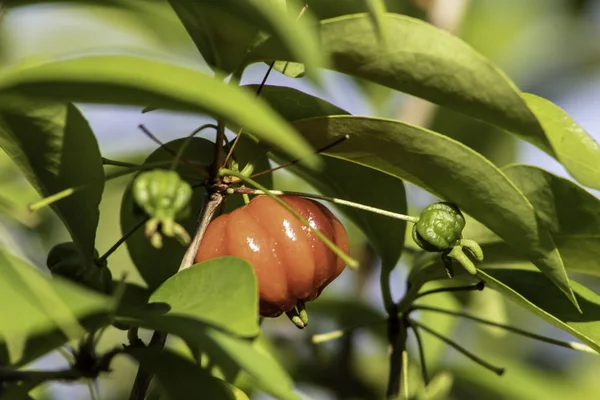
(571, 215)
(156, 265)
(427, 62)
(39, 313)
(54, 146)
(222, 292)
(181, 378)
(531, 290)
(448, 169)
(577, 151)
(138, 81)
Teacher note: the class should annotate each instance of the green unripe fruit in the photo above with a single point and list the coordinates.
(439, 227)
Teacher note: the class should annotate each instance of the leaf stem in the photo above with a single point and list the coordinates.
(219, 140)
(122, 240)
(419, 339)
(334, 200)
(397, 339)
(479, 286)
(568, 345)
(459, 348)
(352, 263)
(333, 335)
(117, 163)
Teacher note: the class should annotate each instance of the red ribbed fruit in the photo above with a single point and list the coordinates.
(291, 263)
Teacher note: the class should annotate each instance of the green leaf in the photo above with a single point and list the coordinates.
(53, 145)
(571, 215)
(324, 9)
(427, 62)
(139, 81)
(39, 313)
(297, 36)
(438, 389)
(222, 292)
(293, 104)
(224, 49)
(532, 291)
(156, 265)
(221, 348)
(448, 169)
(289, 68)
(577, 151)
(180, 378)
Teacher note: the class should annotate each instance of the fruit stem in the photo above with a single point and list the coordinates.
(122, 240)
(459, 348)
(568, 345)
(334, 200)
(219, 140)
(117, 163)
(352, 263)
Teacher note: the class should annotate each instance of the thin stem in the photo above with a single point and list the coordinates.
(187, 141)
(122, 240)
(459, 348)
(479, 286)
(421, 348)
(347, 259)
(117, 163)
(397, 339)
(8, 374)
(143, 377)
(169, 150)
(334, 200)
(568, 345)
(219, 140)
(240, 131)
(296, 161)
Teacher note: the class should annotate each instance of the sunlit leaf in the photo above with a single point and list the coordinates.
(139, 81)
(40, 313)
(222, 291)
(573, 146)
(449, 170)
(571, 215)
(54, 146)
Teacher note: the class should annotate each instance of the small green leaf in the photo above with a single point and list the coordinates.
(156, 265)
(438, 389)
(39, 313)
(532, 291)
(425, 158)
(139, 81)
(55, 148)
(180, 378)
(290, 68)
(222, 292)
(571, 215)
(573, 146)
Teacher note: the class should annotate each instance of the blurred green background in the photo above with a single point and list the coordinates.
(549, 47)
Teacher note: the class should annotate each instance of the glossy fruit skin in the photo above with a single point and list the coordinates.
(291, 263)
